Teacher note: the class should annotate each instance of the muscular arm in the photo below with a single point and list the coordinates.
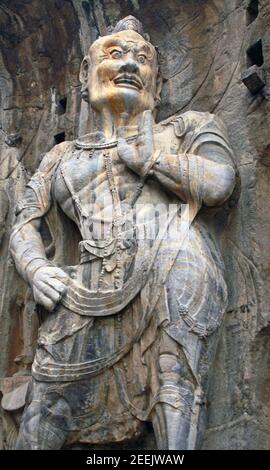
(48, 282)
(207, 174)
(215, 181)
(27, 248)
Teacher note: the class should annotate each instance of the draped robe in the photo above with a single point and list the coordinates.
(99, 349)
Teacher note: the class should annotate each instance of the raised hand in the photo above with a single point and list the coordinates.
(49, 285)
(137, 156)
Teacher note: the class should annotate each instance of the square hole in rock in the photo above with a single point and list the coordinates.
(255, 54)
(58, 138)
(62, 105)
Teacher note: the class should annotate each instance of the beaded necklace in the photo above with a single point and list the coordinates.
(103, 145)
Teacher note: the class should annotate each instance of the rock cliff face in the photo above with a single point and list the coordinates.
(204, 49)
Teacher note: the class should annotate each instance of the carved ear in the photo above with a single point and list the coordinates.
(84, 71)
(158, 88)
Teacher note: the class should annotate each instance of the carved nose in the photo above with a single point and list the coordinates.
(129, 66)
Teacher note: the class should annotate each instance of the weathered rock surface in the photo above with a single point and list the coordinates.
(204, 49)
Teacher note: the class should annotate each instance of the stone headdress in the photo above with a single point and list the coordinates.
(129, 23)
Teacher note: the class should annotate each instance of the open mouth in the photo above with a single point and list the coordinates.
(129, 81)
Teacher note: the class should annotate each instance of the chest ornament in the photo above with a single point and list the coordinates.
(116, 241)
(102, 145)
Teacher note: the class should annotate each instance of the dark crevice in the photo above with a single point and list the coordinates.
(255, 54)
(252, 11)
(86, 8)
(62, 105)
(95, 20)
(58, 138)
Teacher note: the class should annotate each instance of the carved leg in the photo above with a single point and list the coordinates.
(44, 427)
(176, 418)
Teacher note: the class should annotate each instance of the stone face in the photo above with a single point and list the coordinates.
(203, 48)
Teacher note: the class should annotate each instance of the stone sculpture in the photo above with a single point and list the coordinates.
(128, 334)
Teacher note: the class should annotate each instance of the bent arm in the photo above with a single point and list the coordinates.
(26, 243)
(186, 174)
(47, 281)
(27, 249)
(205, 174)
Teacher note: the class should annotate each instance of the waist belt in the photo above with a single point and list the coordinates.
(103, 303)
(91, 303)
(107, 303)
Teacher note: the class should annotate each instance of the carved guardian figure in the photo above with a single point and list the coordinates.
(129, 333)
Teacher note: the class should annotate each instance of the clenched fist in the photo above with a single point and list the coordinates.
(137, 157)
(49, 285)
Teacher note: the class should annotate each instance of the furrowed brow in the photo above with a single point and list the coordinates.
(115, 42)
(144, 48)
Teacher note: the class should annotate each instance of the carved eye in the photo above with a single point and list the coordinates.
(142, 58)
(116, 54)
